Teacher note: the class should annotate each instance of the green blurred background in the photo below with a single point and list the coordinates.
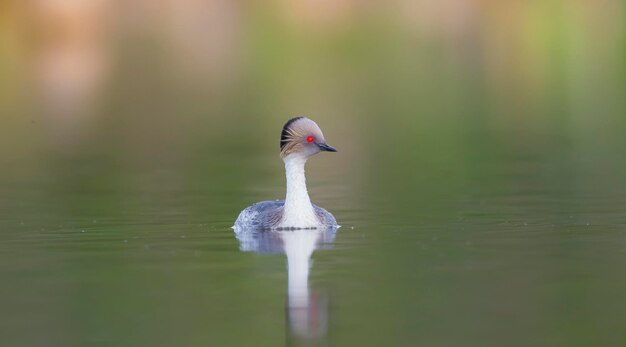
(479, 182)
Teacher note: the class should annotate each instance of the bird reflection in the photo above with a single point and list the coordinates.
(307, 313)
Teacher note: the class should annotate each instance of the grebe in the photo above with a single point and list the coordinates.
(300, 139)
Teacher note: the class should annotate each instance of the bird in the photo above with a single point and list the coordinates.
(300, 139)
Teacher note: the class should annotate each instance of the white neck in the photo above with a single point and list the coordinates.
(298, 211)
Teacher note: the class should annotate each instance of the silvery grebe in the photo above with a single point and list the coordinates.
(300, 139)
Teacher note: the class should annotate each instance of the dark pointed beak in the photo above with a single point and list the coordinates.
(326, 147)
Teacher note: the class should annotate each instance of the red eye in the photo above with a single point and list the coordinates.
(310, 139)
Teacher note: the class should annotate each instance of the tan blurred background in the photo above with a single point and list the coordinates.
(145, 71)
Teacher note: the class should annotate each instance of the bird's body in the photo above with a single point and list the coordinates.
(301, 138)
(268, 214)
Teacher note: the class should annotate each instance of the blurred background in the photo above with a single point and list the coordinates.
(479, 179)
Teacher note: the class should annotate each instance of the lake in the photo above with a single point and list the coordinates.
(479, 183)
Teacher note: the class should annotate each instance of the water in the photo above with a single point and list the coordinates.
(479, 180)
(511, 255)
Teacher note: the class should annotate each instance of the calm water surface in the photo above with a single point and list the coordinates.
(513, 254)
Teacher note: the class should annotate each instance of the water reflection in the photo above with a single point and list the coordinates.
(307, 313)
